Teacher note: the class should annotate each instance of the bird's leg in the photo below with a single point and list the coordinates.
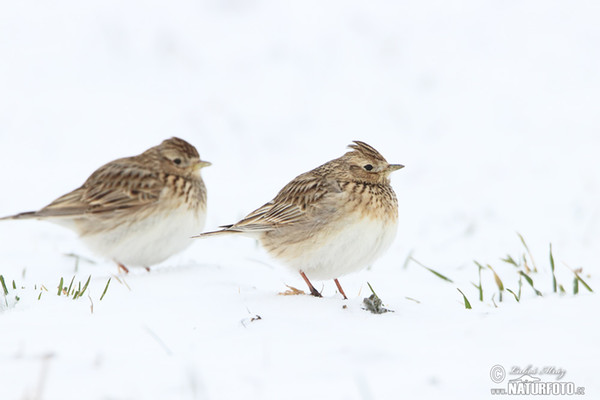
(313, 291)
(337, 283)
(123, 268)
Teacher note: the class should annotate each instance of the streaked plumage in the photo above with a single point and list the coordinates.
(137, 210)
(335, 219)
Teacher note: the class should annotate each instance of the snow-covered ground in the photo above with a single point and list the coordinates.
(492, 106)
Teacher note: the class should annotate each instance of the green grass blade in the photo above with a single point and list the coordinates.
(439, 275)
(496, 278)
(514, 294)
(493, 301)
(498, 283)
(525, 265)
(480, 287)
(70, 284)
(554, 287)
(372, 291)
(479, 290)
(583, 282)
(60, 286)
(85, 286)
(434, 272)
(509, 260)
(527, 278)
(3, 285)
(467, 304)
(530, 281)
(528, 251)
(105, 289)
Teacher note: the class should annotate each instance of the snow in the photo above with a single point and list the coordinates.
(492, 106)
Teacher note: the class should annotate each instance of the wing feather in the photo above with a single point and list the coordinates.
(119, 185)
(293, 204)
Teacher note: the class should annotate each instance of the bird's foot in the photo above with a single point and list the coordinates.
(313, 291)
(123, 268)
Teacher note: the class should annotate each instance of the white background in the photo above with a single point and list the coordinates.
(491, 105)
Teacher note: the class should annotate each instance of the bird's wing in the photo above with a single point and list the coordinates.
(292, 205)
(119, 185)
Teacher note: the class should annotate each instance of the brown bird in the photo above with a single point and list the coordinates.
(333, 220)
(139, 210)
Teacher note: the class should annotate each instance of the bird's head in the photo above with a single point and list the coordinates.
(178, 157)
(367, 164)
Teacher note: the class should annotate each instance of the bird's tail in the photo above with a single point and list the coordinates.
(226, 230)
(23, 215)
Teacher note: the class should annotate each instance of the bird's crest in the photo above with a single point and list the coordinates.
(180, 145)
(366, 150)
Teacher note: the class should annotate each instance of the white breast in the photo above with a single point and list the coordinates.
(349, 248)
(150, 240)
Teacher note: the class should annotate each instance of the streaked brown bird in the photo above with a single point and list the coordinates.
(333, 220)
(136, 211)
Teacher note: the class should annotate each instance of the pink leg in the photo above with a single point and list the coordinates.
(313, 291)
(122, 268)
(337, 283)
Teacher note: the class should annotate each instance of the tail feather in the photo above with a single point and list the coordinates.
(247, 229)
(216, 233)
(23, 215)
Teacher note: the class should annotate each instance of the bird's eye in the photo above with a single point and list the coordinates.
(368, 167)
(177, 161)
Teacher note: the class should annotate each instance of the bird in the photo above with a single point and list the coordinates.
(136, 211)
(333, 220)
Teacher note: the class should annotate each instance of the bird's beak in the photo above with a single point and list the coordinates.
(394, 167)
(202, 164)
